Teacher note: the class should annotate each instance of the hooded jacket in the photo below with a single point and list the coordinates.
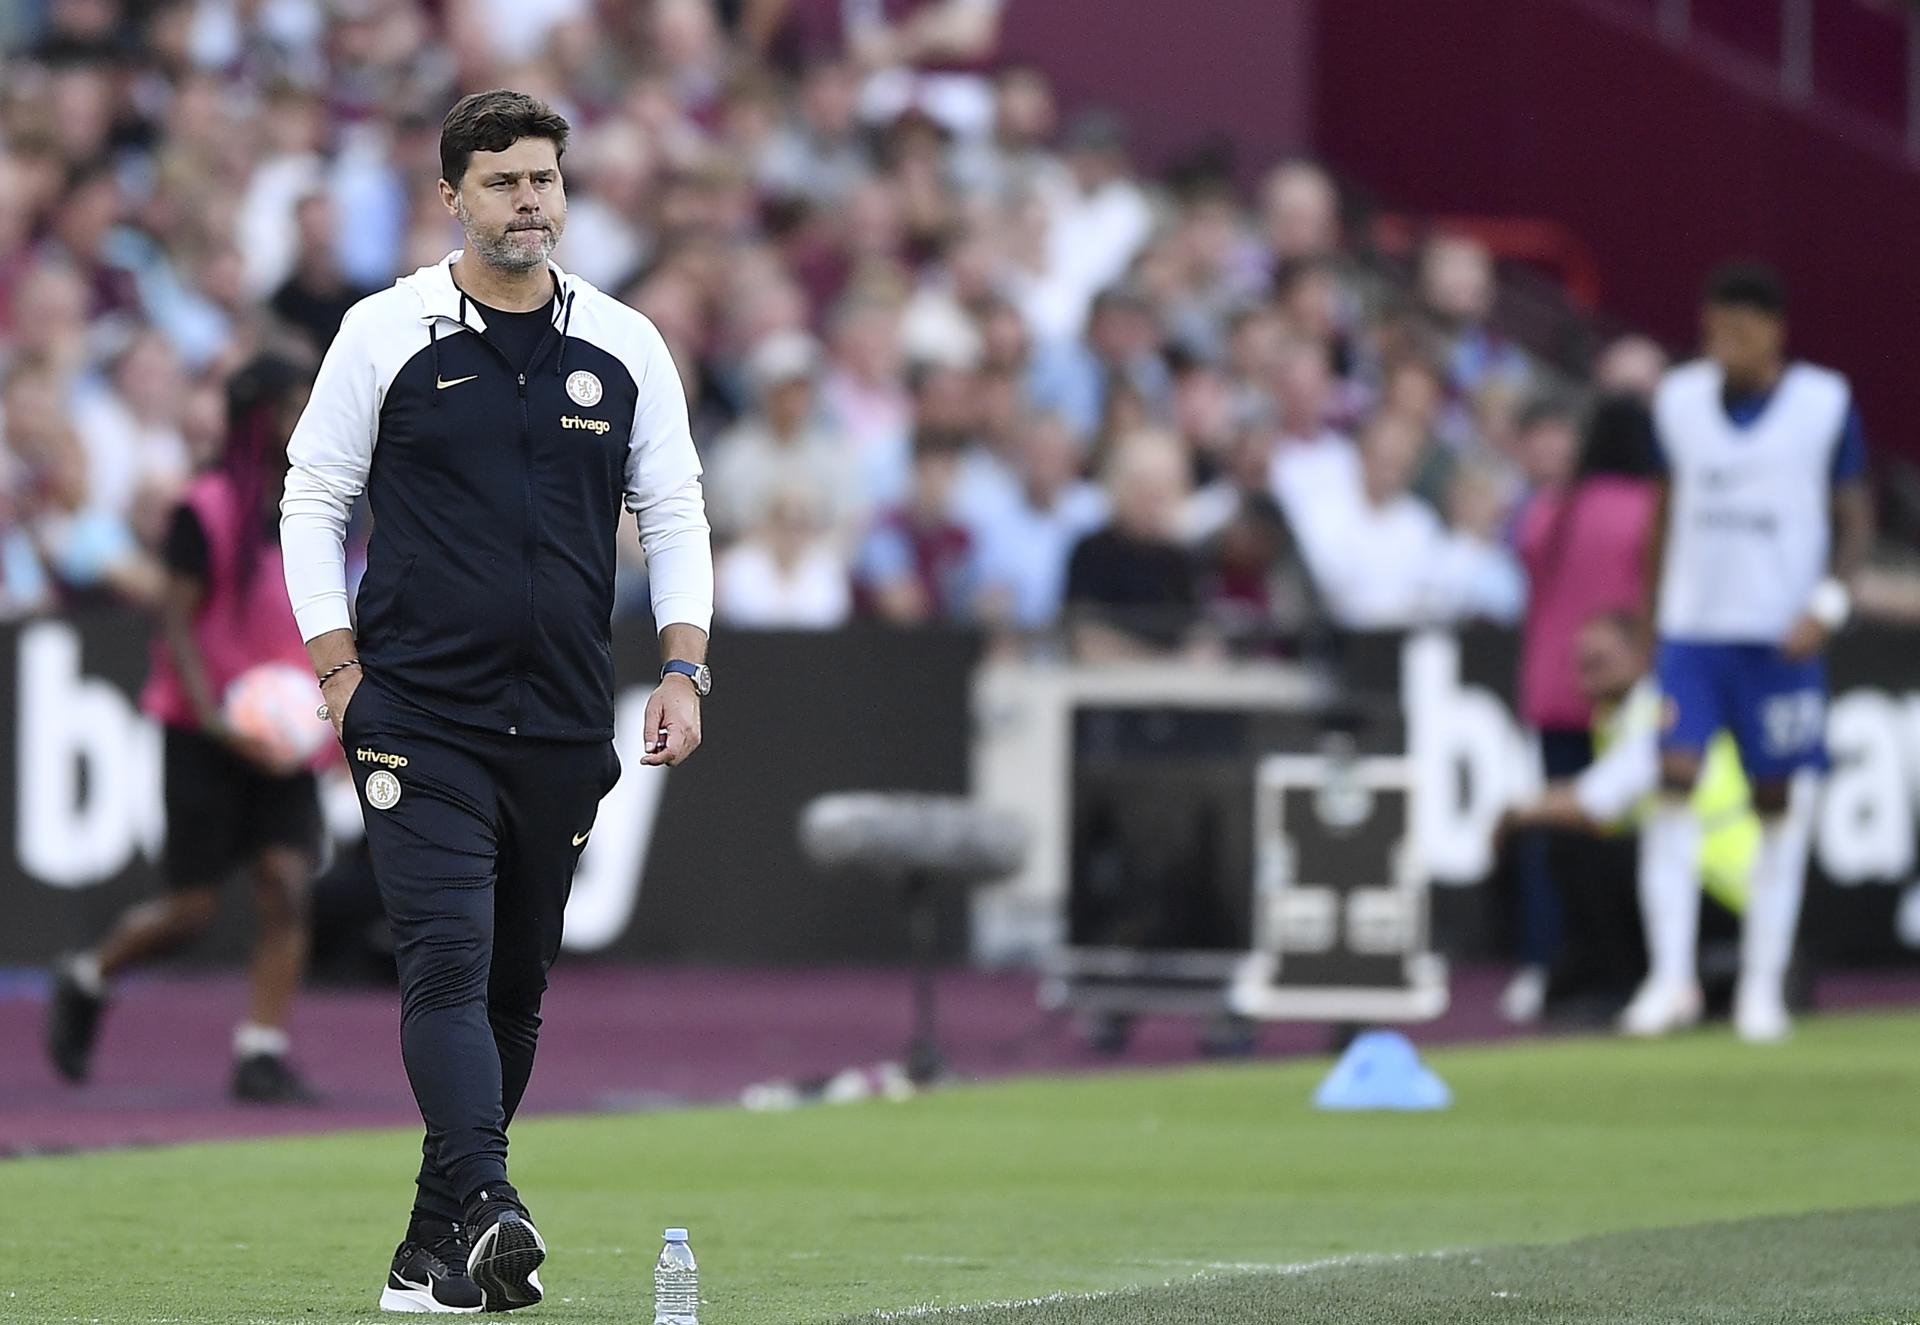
(496, 494)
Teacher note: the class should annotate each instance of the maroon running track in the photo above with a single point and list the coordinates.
(616, 1038)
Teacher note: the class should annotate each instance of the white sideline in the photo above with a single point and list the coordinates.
(1209, 1270)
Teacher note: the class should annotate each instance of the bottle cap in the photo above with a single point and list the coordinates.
(676, 1235)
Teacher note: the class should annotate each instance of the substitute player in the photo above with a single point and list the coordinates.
(499, 414)
(228, 804)
(1767, 515)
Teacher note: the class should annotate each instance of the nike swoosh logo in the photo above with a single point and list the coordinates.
(581, 837)
(443, 383)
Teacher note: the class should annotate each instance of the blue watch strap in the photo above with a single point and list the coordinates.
(680, 667)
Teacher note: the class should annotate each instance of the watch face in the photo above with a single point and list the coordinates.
(702, 681)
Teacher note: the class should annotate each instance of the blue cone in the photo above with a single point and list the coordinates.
(1382, 1070)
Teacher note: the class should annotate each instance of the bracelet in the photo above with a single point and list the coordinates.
(1831, 604)
(336, 669)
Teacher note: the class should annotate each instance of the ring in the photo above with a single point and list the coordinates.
(323, 713)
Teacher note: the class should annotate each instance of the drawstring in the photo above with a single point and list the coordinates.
(566, 320)
(433, 341)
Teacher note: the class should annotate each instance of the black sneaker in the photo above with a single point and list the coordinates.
(270, 1079)
(430, 1275)
(73, 1023)
(507, 1248)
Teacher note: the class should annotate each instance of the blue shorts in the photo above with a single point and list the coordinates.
(1775, 707)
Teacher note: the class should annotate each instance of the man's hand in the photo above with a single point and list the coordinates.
(339, 693)
(1807, 639)
(673, 722)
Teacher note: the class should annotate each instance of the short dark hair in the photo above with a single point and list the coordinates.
(1747, 285)
(493, 122)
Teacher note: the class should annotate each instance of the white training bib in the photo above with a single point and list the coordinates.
(1749, 516)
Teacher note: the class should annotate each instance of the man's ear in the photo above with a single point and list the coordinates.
(449, 198)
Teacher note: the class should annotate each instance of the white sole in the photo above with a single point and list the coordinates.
(419, 1301)
(504, 1261)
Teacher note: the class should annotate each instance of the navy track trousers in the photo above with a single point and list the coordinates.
(474, 836)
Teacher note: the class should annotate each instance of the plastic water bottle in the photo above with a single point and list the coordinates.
(676, 1282)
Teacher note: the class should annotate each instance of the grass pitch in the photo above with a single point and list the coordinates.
(1695, 1180)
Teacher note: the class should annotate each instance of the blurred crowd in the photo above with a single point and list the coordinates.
(951, 355)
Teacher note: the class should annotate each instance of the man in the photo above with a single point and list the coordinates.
(1767, 515)
(498, 413)
(1611, 662)
(230, 804)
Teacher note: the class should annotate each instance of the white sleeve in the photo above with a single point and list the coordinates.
(328, 458)
(1613, 784)
(663, 492)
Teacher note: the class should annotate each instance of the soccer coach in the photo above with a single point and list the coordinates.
(499, 414)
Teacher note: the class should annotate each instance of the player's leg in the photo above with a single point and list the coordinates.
(549, 794)
(1781, 732)
(547, 812)
(1669, 998)
(201, 784)
(432, 836)
(283, 822)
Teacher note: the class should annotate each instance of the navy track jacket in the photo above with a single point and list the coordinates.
(496, 495)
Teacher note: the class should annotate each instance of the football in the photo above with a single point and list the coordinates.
(274, 704)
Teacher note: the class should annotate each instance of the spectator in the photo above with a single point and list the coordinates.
(1072, 378)
(1377, 566)
(819, 157)
(782, 446)
(865, 398)
(1253, 582)
(1015, 160)
(131, 429)
(1548, 445)
(1632, 366)
(787, 574)
(50, 315)
(317, 295)
(1024, 544)
(92, 207)
(1315, 470)
(606, 241)
(1093, 233)
(1132, 589)
(1300, 213)
(1457, 286)
(1480, 578)
(1583, 545)
(917, 565)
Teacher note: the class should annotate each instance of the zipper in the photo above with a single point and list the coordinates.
(533, 544)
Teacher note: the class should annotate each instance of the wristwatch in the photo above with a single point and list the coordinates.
(697, 673)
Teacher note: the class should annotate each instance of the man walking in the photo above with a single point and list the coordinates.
(499, 414)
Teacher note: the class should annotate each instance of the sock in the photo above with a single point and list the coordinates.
(250, 1039)
(1670, 890)
(85, 970)
(1773, 894)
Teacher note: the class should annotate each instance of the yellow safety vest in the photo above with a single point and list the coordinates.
(1722, 801)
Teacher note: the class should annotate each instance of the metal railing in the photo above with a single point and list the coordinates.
(1795, 25)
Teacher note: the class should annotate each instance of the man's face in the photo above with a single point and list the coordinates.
(1746, 342)
(512, 204)
(1607, 662)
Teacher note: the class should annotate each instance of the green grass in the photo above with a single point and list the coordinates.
(1198, 1188)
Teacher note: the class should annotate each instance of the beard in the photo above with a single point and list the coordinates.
(517, 250)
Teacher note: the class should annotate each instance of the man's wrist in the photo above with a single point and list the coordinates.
(696, 675)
